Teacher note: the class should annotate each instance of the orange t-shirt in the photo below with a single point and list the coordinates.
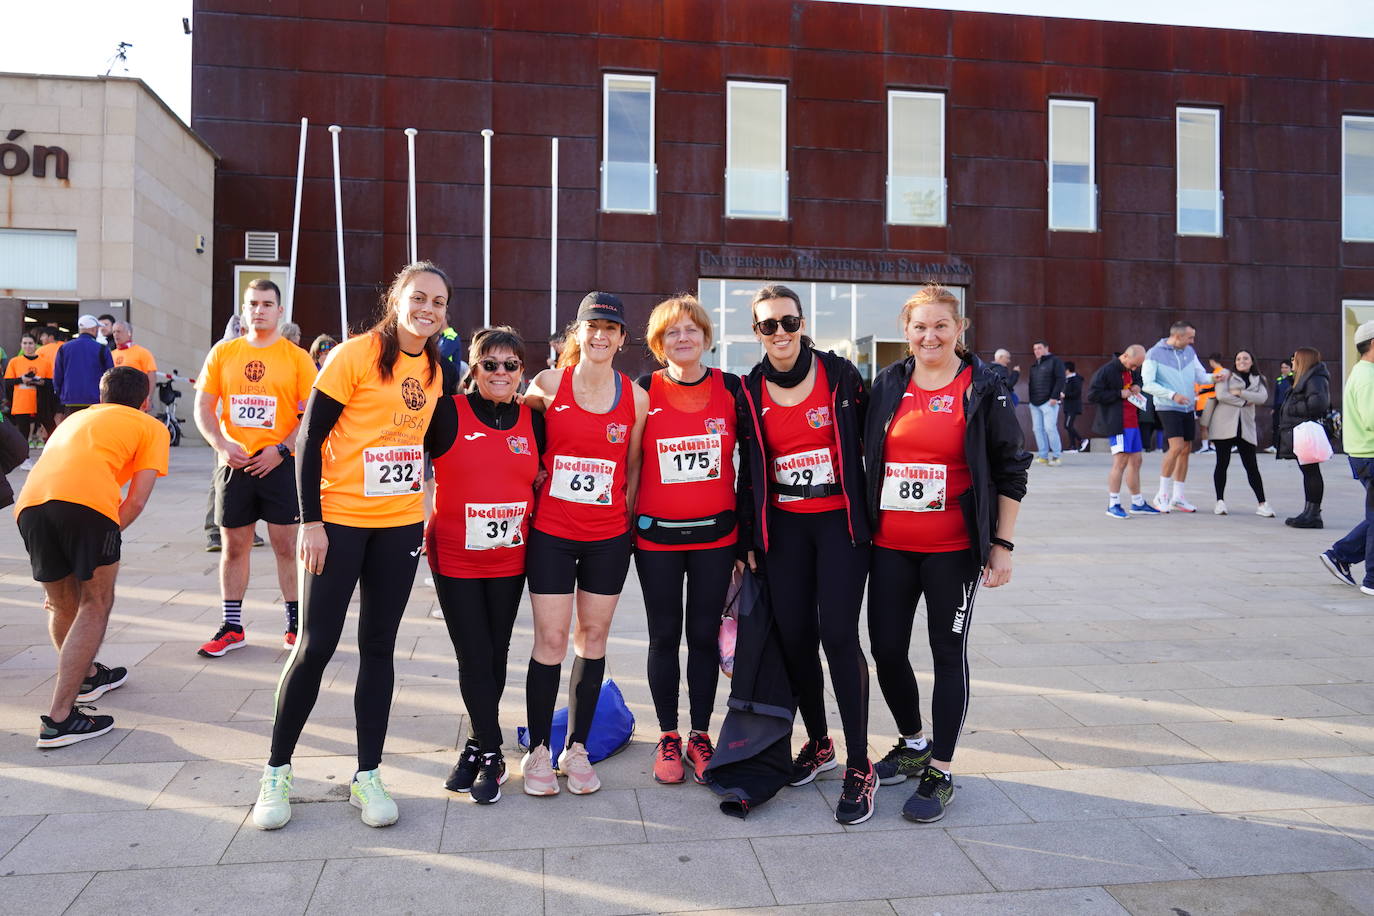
(372, 473)
(26, 399)
(49, 352)
(92, 455)
(261, 390)
(136, 356)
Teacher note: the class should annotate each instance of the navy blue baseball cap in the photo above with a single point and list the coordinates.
(601, 305)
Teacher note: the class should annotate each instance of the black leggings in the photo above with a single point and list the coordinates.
(383, 560)
(480, 615)
(1313, 487)
(816, 579)
(1247, 458)
(708, 580)
(949, 582)
(1071, 429)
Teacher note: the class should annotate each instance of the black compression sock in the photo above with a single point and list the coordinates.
(584, 689)
(292, 615)
(541, 692)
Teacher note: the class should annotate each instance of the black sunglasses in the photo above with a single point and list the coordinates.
(491, 365)
(790, 323)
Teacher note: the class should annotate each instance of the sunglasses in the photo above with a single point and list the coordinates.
(790, 323)
(325, 348)
(491, 365)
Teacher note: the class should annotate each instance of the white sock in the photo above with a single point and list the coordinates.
(1178, 491)
(1137, 499)
(916, 744)
(1166, 486)
(1113, 499)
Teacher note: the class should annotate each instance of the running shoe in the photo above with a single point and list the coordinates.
(902, 761)
(1117, 512)
(486, 789)
(273, 808)
(76, 727)
(369, 794)
(932, 796)
(1143, 509)
(1263, 511)
(1042, 461)
(699, 754)
(102, 682)
(465, 770)
(816, 756)
(1182, 505)
(257, 540)
(212, 542)
(856, 797)
(574, 764)
(536, 768)
(1162, 504)
(1219, 508)
(288, 639)
(1056, 461)
(27, 465)
(1367, 590)
(1338, 569)
(668, 760)
(228, 637)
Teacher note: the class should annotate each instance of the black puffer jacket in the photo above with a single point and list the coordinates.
(1047, 379)
(1309, 399)
(994, 445)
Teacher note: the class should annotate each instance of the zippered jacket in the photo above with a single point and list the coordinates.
(1168, 372)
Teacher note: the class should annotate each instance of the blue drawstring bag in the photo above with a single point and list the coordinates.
(612, 727)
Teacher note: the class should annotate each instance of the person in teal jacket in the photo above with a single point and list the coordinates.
(1170, 372)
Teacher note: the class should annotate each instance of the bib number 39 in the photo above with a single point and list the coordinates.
(913, 487)
(393, 470)
(582, 480)
(492, 525)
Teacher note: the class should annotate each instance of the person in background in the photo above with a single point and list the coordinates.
(1001, 367)
(1308, 399)
(1282, 385)
(1357, 401)
(1073, 406)
(26, 377)
(1205, 393)
(80, 364)
(1046, 391)
(49, 406)
(106, 335)
(319, 350)
(1171, 370)
(128, 353)
(1233, 424)
(292, 332)
(1115, 390)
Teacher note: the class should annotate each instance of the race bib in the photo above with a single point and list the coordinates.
(913, 487)
(803, 469)
(393, 470)
(255, 411)
(582, 480)
(491, 525)
(689, 459)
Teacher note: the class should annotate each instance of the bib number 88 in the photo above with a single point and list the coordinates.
(911, 489)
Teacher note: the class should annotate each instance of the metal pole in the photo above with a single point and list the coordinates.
(487, 134)
(553, 246)
(296, 224)
(338, 231)
(414, 239)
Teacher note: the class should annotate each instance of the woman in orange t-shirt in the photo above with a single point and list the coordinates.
(360, 460)
(24, 378)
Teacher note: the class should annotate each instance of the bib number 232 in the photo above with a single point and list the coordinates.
(393, 470)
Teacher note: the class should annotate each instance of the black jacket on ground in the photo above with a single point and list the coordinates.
(1047, 379)
(1104, 391)
(1309, 399)
(1073, 395)
(994, 445)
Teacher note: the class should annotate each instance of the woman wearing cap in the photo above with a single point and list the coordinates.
(579, 549)
(806, 412)
(685, 525)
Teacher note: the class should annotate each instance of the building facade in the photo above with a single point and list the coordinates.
(1080, 182)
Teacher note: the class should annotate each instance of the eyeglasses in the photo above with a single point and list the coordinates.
(491, 365)
(790, 323)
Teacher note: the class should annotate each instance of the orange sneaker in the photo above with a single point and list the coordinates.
(699, 754)
(668, 759)
(227, 638)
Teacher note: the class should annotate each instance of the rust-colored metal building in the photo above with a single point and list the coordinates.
(1079, 181)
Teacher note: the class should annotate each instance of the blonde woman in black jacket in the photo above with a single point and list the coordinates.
(1308, 399)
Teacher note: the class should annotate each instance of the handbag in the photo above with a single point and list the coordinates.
(1310, 444)
(729, 627)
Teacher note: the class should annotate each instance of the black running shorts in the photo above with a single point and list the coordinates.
(241, 499)
(1178, 424)
(68, 539)
(555, 565)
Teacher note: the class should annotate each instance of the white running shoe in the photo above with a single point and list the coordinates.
(1162, 504)
(1264, 511)
(273, 808)
(369, 794)
(1182, 505)
(1219, 508)
(26, 466)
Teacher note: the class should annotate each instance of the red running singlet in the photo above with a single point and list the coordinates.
(484, 491)
(583, 498)
(800, 445)
(688, 471)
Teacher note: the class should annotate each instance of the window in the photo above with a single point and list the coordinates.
(1073, 194)
(1357, 179)
(916, 158)
(1199, 171)
(627, 166)
(756, 151)
(38, 259)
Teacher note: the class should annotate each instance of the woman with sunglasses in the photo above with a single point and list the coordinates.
(805, 414)
(485, 447)
(320, 348)
(579, 549)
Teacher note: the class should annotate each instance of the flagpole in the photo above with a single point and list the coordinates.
(296, 224)
(414, 239)
(553, 245)
(334, 130)
(486, 227)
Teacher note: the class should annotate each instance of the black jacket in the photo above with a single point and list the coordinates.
(1309, 399)
(1105, 392)
(14, 451)
(848, 405)
(1047, 379)
(994, 445)
(1073, 394)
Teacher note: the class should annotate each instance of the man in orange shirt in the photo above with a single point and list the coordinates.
(49, 406)
(128, 353)
(26, 377)
(70, 515)
(249, 398)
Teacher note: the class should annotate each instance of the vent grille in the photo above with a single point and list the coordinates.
(260, 246)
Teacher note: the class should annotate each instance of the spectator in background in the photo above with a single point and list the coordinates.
(80, 363)
(1282, 385)
(319, 350)
(27, 377)
(1205, 394)
(1358, 429)
(1233, 424)
(1073, 406)
(1170, 372)
(105, 337)
(1308, 399)
(1046, 391)
(1002, 368)
(128, 353)
(49, 407)
(1115, 390)
(292, 332)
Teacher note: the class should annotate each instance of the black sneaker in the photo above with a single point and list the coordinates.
(816, 756)
(902, 761)
(257, 540)
(77, 727)
(102, 682)
(856, 798)
(1338, 569)
(935, 792)
(465, 770)
(212, 542)
(486, 789)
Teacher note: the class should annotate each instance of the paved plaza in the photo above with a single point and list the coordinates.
(1170, 715)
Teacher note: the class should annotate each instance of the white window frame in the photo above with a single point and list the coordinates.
(1346, 120)
(1215, 115)
(1092, 164)
(606, 137)
(781, 89)
(892, 96)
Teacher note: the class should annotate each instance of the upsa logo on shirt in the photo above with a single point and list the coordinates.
(518, 445)
(255, 370)
(715, 425)
(413, 393)
(818, 417)
(615, 433)
(941, 403)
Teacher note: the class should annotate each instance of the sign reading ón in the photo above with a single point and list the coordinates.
(805, 262)
(15, 160)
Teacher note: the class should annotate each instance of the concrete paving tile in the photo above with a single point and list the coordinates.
(979, 801)
(987, 681)
(848, 908)
(1355, 771)
(212, 783)
(333, 830)
(1273, 842)
(1112, 746)
(1261, 739)
(1073, 795)
(1070, 854)
(654, 877)
(608, 817)
(498, 883)
(1081, 901)
(1264, 786)
(1269, 702)
(14, 829)
(1130, 708)
(115, 840)
(262, 888)
(21, 681)
(76, 789)
(1149, 676)
(989, 751)
(674, 814)
(1016, 712)
(1232, 896)
(1069, 654)
(1347, 669)
(16, 748)
(43, 656)
(158, 679)
(1272, 673)
(1355, 888)
(1358, 698)
(41, 895)
(1356, 822)
(1357, 731)
(803, 869)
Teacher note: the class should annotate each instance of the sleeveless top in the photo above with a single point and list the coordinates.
(800, 445)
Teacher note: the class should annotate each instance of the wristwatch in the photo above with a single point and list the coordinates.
(283, 450)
